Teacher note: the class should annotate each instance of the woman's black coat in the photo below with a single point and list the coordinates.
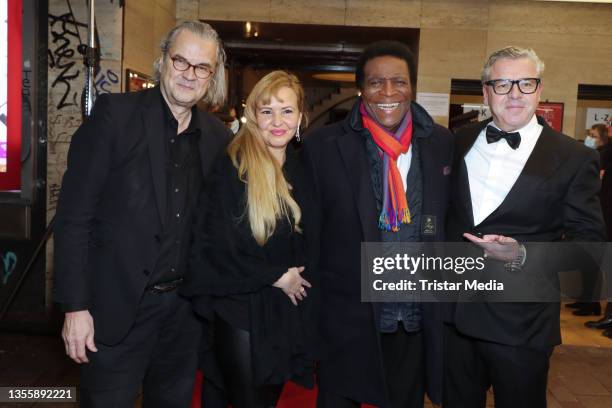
(226, 260)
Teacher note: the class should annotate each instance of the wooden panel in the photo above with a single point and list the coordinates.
(454, 14)
(168, 5)
(388, 13)
(308, 11)
(551, 17)
(163, 22)
(137, 43)
(235, 10)
(187, 9)
(451, 53)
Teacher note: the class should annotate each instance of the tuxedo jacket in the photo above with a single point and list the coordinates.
(555, 198)
(341, 174)
(112, 207)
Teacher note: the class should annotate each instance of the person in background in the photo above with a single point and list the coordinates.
(600, 141)
(235, 124)
(251, 270)
(135, 169)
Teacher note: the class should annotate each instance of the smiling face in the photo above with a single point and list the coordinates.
(183, 88)
(278, 120)
(515, 109)
(386, 90)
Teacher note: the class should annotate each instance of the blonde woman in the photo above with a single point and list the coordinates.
(250, 273)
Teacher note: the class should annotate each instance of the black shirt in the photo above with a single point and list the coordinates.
(184, 179)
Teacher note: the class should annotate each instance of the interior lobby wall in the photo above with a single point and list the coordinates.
(145, 23)
(581, 114)
(573, 39)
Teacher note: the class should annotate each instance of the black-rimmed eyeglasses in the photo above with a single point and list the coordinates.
(181, 64)
(504, 86)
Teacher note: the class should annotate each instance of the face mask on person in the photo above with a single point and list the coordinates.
(590, 141)
(235, 126)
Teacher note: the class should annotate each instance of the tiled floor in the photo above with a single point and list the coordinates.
(580, 375)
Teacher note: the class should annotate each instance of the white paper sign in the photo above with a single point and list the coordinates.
(598, 115)
(483, 110)
(436, 104)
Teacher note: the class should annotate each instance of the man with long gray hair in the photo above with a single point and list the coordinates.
(135, 169)
(515, 181)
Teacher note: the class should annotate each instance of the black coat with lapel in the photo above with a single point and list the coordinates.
(111, 207)
(338, 163)
(553, 199)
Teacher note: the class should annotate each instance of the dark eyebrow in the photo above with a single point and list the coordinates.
(393, 77)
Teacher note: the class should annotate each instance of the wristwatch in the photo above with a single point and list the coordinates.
(517, 263)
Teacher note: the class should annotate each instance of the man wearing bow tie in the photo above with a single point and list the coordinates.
(515, 180)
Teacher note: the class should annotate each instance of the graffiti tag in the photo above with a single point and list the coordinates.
(9, 263)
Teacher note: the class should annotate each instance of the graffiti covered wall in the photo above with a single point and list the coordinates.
(67, 28)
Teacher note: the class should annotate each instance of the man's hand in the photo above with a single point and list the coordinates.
(292, 284)
(78, 333)
(496, 247)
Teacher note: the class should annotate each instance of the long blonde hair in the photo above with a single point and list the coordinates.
(268, 192)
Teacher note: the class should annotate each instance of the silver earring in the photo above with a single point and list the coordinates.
(297, 134)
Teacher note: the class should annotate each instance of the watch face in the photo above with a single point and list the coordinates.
(517, 263)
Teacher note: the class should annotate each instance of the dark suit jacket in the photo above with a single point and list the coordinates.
(350, 329)
(111, 207)
(554, 198)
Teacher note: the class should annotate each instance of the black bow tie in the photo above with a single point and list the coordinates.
(494, 134)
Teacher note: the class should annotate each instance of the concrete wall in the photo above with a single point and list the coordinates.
(67, 28)
(574, 40)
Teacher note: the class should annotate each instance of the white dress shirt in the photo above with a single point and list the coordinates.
(493, 168)
(403, 165)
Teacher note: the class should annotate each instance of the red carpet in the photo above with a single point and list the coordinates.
(293, 396)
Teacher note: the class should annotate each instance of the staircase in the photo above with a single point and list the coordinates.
(319, 100)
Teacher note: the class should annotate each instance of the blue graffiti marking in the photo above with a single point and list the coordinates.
(9, 261)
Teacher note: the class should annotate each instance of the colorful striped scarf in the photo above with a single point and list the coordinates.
(394, 210)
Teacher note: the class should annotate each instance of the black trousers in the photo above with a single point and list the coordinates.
(233, 350)
(159, 353)
(404, 364)
(212, 396)
(518, 375)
